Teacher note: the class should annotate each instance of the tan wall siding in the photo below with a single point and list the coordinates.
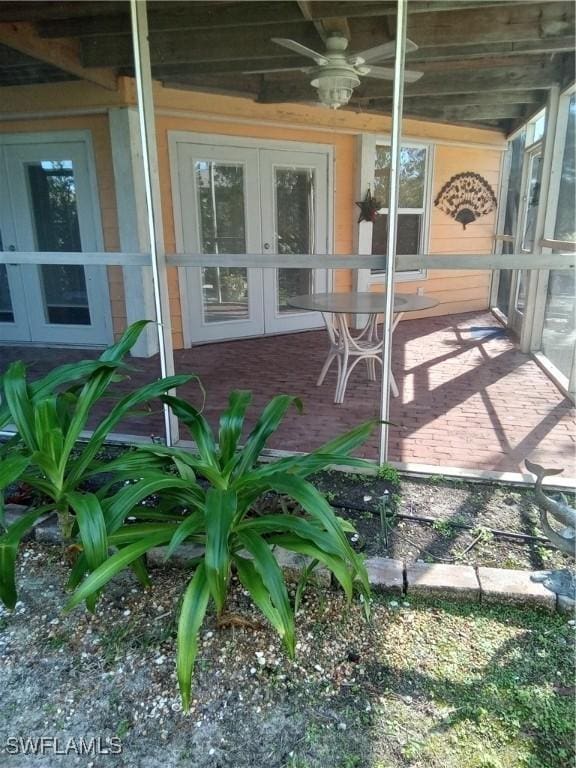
(98, 127)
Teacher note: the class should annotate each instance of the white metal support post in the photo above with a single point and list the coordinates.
(401, 22)
(153, 199)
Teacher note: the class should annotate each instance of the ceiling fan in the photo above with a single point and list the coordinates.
(337, 73)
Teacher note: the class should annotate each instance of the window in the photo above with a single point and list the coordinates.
(411, 211)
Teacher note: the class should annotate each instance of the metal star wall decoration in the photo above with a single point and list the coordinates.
(369, 208)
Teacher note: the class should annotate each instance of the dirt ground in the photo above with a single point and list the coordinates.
(422, 685)
(469, 521)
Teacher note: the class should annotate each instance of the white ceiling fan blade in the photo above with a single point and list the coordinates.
(306, 70)
(382, 51)
(387, 73)
(302, 49)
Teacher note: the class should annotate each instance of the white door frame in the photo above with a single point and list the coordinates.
(76, 145)
(187, 137)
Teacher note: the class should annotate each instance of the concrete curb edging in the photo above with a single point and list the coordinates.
(465, 582)
(395, 577)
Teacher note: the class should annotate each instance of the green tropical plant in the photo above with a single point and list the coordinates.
(216, 491)
(50, 415)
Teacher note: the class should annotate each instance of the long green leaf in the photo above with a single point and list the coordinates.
(11, 467)
(9, 543)
(266, 425)
(273, 579)
(334, 564)
(120, 410)
(92, 527)
(231, 424)
(191, 525)
(192, 615)
(252, 581)
(117, 507)
(128, 534)
(219, 515)
(19, 404)
(198, 426)
(280, 524)
(116, 563)
(130, 336)
(316, 505)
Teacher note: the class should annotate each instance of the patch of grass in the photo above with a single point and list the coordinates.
(444, 527)
(489, 686)
(390, 474)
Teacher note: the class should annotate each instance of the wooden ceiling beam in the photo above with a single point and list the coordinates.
(184, 47)
(519, 48)
(468, 113)
(169, 16)
(499, 25)
(64, 54)
(465, 99)
(437, 84)
(36, 11)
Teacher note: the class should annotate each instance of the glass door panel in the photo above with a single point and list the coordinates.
(294, 221)
(559, 332)
(6, 308)
(294, 229)
(52, 191)
(222, 215)
(55, 211)
(217, 200)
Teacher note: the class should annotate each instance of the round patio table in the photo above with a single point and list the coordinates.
(348, 350)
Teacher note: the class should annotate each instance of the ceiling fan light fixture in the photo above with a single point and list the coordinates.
(335, 90)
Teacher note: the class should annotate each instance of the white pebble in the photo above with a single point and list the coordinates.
(211, 751)
(160, 660)
(252, 670)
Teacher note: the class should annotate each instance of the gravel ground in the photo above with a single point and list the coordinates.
(423, 685)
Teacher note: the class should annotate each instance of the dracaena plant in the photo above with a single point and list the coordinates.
(219, 515)
(45, 454)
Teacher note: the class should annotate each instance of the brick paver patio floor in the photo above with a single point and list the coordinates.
(468, 397)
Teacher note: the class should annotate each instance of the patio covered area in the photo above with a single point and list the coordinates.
(468, 397)
(175, 162)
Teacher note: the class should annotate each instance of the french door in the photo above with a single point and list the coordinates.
(48, 204)
(231, 198)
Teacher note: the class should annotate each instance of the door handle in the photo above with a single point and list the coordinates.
(266, 246)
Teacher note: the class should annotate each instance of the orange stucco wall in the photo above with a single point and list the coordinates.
(477, 150)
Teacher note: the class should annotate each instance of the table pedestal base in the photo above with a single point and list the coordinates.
(349, 350)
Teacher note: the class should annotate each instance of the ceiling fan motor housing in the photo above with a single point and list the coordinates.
(335, 84)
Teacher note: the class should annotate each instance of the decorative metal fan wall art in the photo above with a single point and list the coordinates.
(466, 197)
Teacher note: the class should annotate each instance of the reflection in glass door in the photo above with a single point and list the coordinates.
(53, 210)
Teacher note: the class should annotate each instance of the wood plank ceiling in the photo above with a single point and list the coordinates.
(485, 62)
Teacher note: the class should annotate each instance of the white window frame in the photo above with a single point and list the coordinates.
(366, 167)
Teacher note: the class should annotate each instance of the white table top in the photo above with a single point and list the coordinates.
(360, 303)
